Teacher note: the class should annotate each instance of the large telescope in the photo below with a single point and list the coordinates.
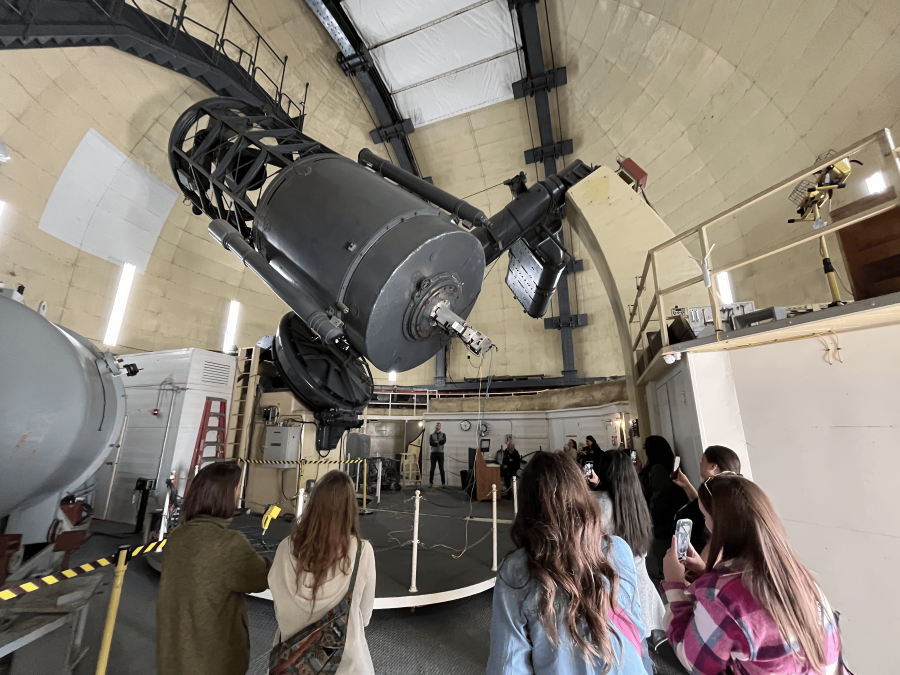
(62, 410)
(378, 265)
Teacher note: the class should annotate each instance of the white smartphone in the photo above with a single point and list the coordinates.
(683, 537)
(588, 469)
(677, 466)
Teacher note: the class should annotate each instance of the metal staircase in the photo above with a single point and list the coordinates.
(162, 34)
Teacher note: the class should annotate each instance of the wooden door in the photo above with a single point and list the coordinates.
(871, 248)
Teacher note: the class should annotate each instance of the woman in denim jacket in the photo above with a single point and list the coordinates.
(565, 602)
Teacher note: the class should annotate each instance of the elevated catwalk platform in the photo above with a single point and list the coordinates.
(444, 571)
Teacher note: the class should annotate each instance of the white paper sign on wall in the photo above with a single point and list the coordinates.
(106, 204)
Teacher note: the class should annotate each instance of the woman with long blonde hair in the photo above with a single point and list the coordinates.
(314, 567)
(755, 609)
(565, 602)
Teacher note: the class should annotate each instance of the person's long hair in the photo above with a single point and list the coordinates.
(593, 446)
(724, 458)
(747, 530)
(630, 514)
(211, 492)
(321, 541)
(559, 526)
(658, 451)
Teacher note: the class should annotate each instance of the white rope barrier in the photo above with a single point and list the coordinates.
(494, 499)
(300, 496)
(243, 502)
(163, 526)
(415, 543)
(378, 487)
(515, 497)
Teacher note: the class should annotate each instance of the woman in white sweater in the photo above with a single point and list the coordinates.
(312, 570)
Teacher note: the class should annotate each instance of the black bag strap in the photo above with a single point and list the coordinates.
(359, 547)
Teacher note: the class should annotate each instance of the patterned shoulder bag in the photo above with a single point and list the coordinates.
(319, 647)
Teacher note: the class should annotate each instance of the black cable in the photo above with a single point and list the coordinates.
(553, 66)
(523, 74)
(127, 535)
(644, 195)
(485, 190)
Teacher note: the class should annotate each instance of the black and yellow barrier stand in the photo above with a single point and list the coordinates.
(121, 566)
(120, 559)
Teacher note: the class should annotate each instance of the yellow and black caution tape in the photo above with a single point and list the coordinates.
(50, 579)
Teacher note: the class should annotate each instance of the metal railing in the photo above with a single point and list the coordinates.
(891, 171)
(246, 58)
(386, 400)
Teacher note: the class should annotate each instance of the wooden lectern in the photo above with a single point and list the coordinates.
(485, 477)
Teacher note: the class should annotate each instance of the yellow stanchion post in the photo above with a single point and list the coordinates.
(121, 566)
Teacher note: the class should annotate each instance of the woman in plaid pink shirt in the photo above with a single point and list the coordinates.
(758, 611)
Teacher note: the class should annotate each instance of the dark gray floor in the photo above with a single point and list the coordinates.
(447, 638)
(450, 638)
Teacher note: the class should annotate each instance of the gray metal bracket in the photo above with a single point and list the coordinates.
(570, 321)
(531, 85)
(552, 151)
(385, 134)
(574, 266)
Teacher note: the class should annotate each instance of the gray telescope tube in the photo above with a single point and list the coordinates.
(305, 307)
(440, 198)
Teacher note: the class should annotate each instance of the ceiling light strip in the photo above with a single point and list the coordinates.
(431, 23)
(457, 70)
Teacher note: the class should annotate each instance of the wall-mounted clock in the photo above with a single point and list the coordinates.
(465, 425)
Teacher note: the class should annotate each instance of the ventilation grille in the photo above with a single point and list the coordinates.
(215, 373)
(799, 193)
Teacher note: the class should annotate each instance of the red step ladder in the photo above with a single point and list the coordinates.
(207, 426)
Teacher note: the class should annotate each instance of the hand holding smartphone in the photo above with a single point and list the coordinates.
(588, 469)
(683, 537)
(677, 466)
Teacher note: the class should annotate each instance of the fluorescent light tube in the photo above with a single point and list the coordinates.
(118, 311)
(726, 293)
(231, 327)
(876, 183)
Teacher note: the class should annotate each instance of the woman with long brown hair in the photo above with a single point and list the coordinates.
(565, 601)
(201, 617)
(755, 608)
(313, 568)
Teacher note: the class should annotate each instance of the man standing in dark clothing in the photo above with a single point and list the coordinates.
(437, 440)
(510, 465)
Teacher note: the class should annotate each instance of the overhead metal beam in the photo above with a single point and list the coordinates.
(537, 84)
(356, 61)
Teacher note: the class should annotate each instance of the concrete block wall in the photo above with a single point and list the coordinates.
(716, 100)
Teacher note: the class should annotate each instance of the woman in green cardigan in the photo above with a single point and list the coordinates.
(201, 617)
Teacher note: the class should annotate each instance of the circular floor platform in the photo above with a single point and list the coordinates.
(447, 520)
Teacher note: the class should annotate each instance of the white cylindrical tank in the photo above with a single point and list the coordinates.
(62, 407)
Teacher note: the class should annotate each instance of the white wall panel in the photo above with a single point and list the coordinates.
(822, 442)
(380, 21)
(461, 41)
(142, 451)
(461, 92)
(531, 431)
(107, 205)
